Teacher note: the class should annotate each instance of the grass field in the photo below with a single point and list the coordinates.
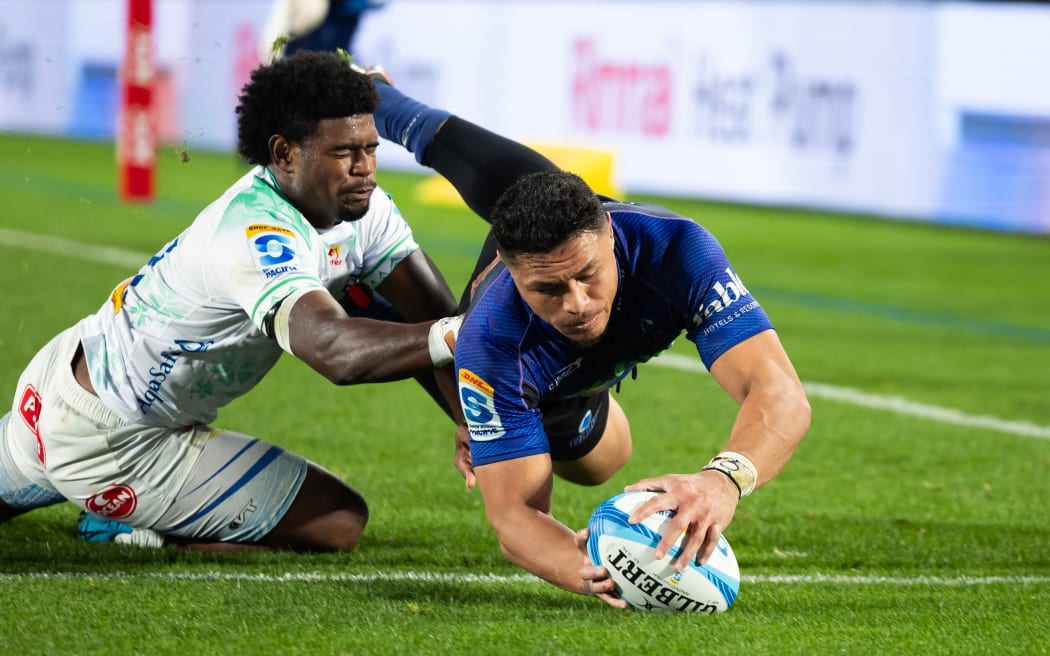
(915, 517)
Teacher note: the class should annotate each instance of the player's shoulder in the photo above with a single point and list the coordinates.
(648, 220)
(497, 317)
(639, 208)
(255, 203)
(652, 232)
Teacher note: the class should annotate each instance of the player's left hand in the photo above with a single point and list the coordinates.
(596, 581)
(462, 457)
(704, 504)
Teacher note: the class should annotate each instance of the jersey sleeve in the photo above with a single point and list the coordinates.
(386, 239)
(502, 426)
(721, 310)
(260, 256)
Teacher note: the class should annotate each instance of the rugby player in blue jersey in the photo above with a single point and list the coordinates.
(586, 288)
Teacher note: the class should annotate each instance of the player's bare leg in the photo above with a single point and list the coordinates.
(327, 515)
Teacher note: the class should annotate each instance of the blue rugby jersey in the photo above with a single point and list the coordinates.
(674, 277)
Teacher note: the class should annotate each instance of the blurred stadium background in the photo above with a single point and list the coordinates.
(927, 111)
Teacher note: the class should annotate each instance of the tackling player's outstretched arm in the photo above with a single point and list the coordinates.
(420, 293)
(349, 351)
(418, 290)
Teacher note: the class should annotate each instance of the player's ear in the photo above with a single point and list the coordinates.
(280, 152)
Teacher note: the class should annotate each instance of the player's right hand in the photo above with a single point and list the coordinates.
(462, 458)
(596, 581)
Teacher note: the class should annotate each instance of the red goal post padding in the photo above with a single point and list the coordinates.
(137, 134)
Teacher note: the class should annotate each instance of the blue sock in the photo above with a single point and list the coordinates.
(406, 120)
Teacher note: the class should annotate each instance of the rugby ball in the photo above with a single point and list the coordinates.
(644, 582)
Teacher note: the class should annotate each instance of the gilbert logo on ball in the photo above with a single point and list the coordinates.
(646, 583)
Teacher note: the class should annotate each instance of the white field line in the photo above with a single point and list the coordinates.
(431, 577)
(895, 404)
(74, 249)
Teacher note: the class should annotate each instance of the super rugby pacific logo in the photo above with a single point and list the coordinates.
(273, 246)
(479, 407)
(115, 502)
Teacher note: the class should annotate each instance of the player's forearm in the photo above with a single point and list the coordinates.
(354, 351)
(769, 426)
(543, 546)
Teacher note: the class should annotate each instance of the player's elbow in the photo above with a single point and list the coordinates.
(504, 535)
(353, 376)
(782, 408)
(795, 406)
(341, 370)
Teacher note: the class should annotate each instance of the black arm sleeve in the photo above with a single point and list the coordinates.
(480, 164)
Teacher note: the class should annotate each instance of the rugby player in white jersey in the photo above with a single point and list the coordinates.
(115, 413)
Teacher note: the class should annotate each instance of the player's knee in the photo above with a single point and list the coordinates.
(346, 529)
(327, 515)
(347, 523)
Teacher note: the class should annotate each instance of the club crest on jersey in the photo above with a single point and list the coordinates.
(273, 247)
(728, 293)
(479, 407)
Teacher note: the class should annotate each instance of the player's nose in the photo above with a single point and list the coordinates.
(575, 299)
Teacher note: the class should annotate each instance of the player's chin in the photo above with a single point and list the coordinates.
(353, 211)
(583, 339)
(585, 336)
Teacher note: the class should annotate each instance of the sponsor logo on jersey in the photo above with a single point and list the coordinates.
(29, 409)
(728, 293)
(335, 256)
(479, 407)
(114, 502)
(274, 249)
(158, 375)
(257, 228)
(159, 372)
(564, 373)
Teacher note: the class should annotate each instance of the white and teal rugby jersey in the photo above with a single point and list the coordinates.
(184, 336)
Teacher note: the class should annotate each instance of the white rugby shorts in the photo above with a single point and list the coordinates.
(61, 442)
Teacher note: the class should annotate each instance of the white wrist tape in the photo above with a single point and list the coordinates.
(738, 468)
(442, 339)
(280, 318)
